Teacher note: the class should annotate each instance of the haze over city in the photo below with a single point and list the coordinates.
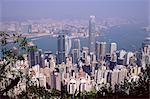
(73, 9)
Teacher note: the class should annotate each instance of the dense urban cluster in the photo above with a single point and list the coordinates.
(97, 69)
(51, 27)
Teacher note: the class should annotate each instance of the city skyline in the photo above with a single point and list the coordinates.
(74, 49)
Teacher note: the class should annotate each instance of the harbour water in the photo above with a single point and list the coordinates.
(128, 37)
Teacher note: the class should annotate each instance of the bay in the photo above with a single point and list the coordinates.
(128, 37)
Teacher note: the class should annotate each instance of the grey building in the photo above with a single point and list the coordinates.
(92, 34)
(64, 46)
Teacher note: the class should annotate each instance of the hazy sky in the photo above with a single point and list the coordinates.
(73, 9)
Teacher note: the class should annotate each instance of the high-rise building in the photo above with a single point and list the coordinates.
(64, 46)
(127, 57)
(56, 80)
(102, 50)
(113, 61)
(32, 54)
(84, 53)
(76, 44)
(75, 55)
(92, 57)
(35, 56)
(97, 51)
(92, 31)
(114, 78)
(61, 49)
(67, 45)
(146, 51)
(138, 55)
(83, 84)
(39, 59)
(122, 54)
(72, 86)
(76, 51)
(113, 48)
(26, 29)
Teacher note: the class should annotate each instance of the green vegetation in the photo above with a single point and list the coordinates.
(12, 49)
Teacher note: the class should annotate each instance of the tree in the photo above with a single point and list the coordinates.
(12, 49)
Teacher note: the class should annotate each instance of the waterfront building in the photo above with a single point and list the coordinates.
(31, 54)
(26, 29)
(113, 48)
(64, 46)
(39, 58)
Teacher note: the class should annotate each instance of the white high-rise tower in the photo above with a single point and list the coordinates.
(113, 48)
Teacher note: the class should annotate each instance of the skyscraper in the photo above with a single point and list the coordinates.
(39, 58)
(64, 46)
(67, 45)
(61, 48)
(113, 48)
(102, 50)
(76, 51)
(32, 54)
(76, 44)
(55, 80)
(97, 51)
(127, 57)
(146, 51)
(92, 34)
(84, 53)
